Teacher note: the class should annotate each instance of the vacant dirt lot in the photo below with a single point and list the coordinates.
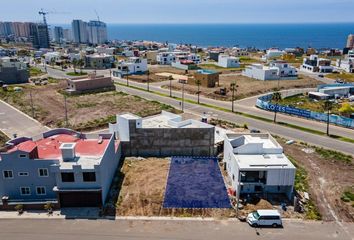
(246, 86)
(156, 69)
(85, 112)
(328, 177)
(143, 187)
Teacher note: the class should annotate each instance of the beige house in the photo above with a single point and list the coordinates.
(89, 83)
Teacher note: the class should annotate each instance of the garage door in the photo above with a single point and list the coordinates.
(80, 199)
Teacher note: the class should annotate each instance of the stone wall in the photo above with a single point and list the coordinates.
(165, 142)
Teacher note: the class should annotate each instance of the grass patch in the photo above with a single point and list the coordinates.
(348, 77)
(302, 185)
(35, 72)
(217, 67)
(348, 196)
(76, 74)
(331, 154)
(85, 105)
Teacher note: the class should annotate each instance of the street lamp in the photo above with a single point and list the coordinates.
(183, 95)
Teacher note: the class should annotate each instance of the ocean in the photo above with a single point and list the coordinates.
(262, 36)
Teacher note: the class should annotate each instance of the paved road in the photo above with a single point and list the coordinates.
(252, 123)
(171, 229)
(248, 106)
(14, 121)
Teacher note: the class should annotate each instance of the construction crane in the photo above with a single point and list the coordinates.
(42, 12)
(98, 17)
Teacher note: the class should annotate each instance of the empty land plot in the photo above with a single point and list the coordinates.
(154, 74)
(246, 86)
(143, 188)
(85, 112)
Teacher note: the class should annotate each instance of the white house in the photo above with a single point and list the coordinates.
(134, 65)
(347, 64)
(165, 58)
(256, 164)
(272, 53)
(227, 61)
(51, 57)
(275, 71)
(316, 64)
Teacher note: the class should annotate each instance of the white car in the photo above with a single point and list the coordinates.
(265, 218)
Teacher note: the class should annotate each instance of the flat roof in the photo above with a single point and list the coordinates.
(263, 212)
(263, 161)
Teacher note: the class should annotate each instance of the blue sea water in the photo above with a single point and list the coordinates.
(324, 35)
(244, 35)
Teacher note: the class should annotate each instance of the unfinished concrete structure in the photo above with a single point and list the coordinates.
(206, 78)
(89, 84)
(163, 135)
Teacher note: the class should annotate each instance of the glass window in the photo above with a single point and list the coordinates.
(23, 174)
(25, 191)
(67, 177)
(40, 190)
(8, 174)
(89, 176)
(43, 172)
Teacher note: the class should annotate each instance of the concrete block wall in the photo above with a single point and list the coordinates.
(162, 142)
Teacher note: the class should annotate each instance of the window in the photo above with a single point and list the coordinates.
(25, 191)
(67, 177)
(23, 155)
(40, 190)
(43, 172)
(89, 176)
(23, 174)
(8, 174)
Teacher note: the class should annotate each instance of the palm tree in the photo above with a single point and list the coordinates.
(198, 82)
(276, 97)
(328, 106)
(74, 62)
(80, 62)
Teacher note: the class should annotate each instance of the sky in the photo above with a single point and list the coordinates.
(181, 11)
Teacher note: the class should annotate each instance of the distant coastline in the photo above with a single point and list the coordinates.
(262, 36)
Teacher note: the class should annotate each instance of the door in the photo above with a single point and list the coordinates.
(80, 199)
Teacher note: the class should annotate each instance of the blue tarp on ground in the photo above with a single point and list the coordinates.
(195, 182)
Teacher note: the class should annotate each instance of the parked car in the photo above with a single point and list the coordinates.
(265, 218)
(255, 131)
(321, 76)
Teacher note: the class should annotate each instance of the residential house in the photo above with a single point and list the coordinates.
(134, 65)
(277, 70)
(99, 61)
(61, 166)
(316, 64)
(206, 78)
(227, 61)
(272, 54)
(89, 83)
(256, 164)
(13, 71)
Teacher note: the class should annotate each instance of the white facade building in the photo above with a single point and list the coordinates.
(51, 56)
(316, 64)
(97, 32)
(347, 64)
(165, 58)
(256, 164)
(276, 71)
(227, 61)
(272, 53)
(134, 65)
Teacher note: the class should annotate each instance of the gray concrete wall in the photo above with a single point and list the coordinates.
(165, 142)
(12, 75)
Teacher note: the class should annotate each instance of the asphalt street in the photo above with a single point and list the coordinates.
(33, 229)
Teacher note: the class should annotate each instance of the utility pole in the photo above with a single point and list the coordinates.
(127, 71)
(66, 113)
(148, 81)
(183, 96)
(32, 104)
(170, 86)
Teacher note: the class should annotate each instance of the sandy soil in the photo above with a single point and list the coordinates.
(143, 189)
(246, 86)
(328, 178)
(156, 78)
(84, 111)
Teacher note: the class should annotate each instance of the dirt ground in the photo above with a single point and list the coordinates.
(328, 178)
(143, 188)
(85, 112)
(246, 86)
(157, 69)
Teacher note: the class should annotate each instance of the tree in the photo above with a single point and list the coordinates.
(276, 97)
(346, 109)
(233, 88)
(74, 62)
(198, 82)
(327, 107)
(81, 63)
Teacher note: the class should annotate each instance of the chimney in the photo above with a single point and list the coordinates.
(68, 151)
